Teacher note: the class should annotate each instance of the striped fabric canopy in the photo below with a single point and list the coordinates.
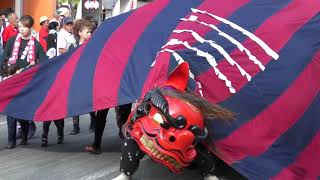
(258, 58)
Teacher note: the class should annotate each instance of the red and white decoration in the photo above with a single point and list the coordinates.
(29, 51)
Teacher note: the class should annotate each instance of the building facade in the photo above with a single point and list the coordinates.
(35, 8)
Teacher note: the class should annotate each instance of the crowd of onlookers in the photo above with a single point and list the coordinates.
(21, 46)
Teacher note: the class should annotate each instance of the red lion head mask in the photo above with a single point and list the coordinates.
(167, 127)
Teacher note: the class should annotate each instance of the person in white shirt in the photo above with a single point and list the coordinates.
(65, 37)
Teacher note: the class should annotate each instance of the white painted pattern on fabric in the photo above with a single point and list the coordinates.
(228, 37)
(219, 48)
(265, 47)
(210, 58)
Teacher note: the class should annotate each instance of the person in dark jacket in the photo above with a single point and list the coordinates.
(52, 39)
(52, 52)
(21, 51)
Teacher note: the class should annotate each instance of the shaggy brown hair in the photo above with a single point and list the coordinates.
(79, 25)
(208, 110)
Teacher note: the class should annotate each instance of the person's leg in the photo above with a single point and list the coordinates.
(24, 131)
(101, 123)
(18, 131)
(92, 125)
(101, 119)
(60, 126)
(12, 128)
(122, 114)
(76, 126)
(32, 129)
(45, 129)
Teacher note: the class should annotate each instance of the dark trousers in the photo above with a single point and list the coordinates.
(92, 125)
(76, 122)
(12, 129)
(122, 114)
(59, 124)
(101, 119)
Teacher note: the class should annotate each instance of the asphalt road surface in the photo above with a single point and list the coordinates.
(68, 161)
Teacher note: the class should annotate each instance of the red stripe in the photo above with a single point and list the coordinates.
(276, 32)
(55, 104)
(306, 165)
(10, 88)
(253, 138)
(117, 51)
(221, 8)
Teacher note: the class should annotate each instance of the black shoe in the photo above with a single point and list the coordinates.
(44, 142)
(32, 130)
(10, 146)
(24, 142)
(74, 132)
(60, 140)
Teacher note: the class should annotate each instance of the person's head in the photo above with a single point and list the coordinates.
(44, 21)
(82, 29)
(93, 21)
(13, 19)
(2, 16)
(55, 15)
(53, 25)
(8, 11)
(25, 25)
(67, 24)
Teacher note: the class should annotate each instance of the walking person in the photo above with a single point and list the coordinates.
(122, 114)
(43, 32)
(65, 38)
(82, 31)
(46, 125)
(21, 51)
(11, 29)
(52, 52)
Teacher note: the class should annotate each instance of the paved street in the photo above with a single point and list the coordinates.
(68, 161)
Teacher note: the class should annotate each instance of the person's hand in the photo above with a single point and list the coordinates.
(19, 71)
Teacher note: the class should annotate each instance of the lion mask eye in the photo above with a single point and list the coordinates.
(158, 118)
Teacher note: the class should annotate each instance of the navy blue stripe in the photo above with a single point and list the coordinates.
(285, 150)
(147, 46)
(249, 16)
(267, 86)
(26, 103)
(80, 99)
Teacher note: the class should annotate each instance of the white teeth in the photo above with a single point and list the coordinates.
(157, 153)
(148, 144)
(153, 150)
